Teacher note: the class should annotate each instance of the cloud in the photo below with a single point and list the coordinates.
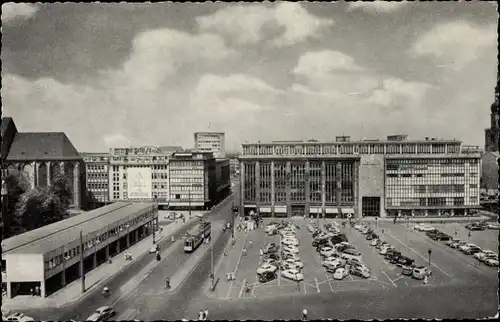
(398, 94)
(211, 84)
(116, 140)
(455, 44)
(161, 53)
(245, 24)
(12, 11)
(377, 7)
(334, 73)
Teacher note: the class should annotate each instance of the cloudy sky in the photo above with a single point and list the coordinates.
(117, 75)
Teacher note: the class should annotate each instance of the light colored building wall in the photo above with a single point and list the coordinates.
(24, 267)
(489, 173)
(371, 180)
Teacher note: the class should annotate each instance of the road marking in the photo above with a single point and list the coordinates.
(425, 259)
(242, 286)
(406, 284)
(237, 264)
(304, 286)
(331, 288)
(389, 279)
(397, 279)
(317, 286)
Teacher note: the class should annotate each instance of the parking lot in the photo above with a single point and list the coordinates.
(447, 265)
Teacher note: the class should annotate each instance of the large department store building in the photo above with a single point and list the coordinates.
(393, 177)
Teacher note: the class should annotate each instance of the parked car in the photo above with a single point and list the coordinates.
(489, 256)
(379, 245)
(483, 254)
(19, 317)
(291, 249)
(337, 262)
(491, 261)
(495, 226)
(327, 252)
(286, 256)
(371, 236)
(405, 261)
(475, 226)
(351, 254)
(459, 244)
(292, 261)
(290, 242)
(266, 268)
(392, 253)
(465, 247)
(384, 250)
(267, 276)
(441, 237)
(340, 273)
(361, 271)
(473, 250)
(450, 242)
(407, 270)
(292, 274)
(272, 256)
(354, 262)
(420, 272)
(374, 242)
(101, 314)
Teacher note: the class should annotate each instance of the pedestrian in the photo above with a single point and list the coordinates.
(298, 286)
(425, 280)
(31, 292)
(244, 251)
(395, 220)
(205, 314)
(37, 291)
(261, 252)
(200, 315)
(250, 244)
(304, 314)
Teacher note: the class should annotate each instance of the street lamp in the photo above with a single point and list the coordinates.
(376, 222)
(429, 252)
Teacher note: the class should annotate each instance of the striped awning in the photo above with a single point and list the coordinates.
(347, 210)
(280, 209)
(250, 206)
(315, 210)
(265, 209)
(331, 210)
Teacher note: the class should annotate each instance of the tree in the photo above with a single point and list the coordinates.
(61, 187)
(39, 207)
(17, 184)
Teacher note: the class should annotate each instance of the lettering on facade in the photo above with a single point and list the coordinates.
(139, 183)
(371, 162)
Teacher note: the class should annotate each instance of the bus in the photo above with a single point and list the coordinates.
(195, 236)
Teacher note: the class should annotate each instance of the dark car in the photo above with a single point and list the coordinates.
(272, 256)
(267, 276)
(371, 236)
(316, 233)
(432, 233)
(271, 249)
(391, 252)
(442, 237)
(405, 261)
(407, 270)
(394, 257)
(320, 242)
(476, 227)
(338, 239)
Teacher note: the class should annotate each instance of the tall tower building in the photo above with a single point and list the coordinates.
(492, 135)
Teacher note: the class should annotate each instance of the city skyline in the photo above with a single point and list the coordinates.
(257, 72)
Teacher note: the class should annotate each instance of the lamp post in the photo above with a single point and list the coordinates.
(82, 271)
(376, 222)
(153, 224)
(429, 252)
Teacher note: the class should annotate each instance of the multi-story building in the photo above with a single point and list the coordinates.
(139, 174)
(97, 178)
(234, 165)
(360, 178)
(192, 180)
(214, 142)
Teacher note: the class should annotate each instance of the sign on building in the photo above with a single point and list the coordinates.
(139, 183)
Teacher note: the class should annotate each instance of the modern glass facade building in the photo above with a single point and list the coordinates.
(363, 178)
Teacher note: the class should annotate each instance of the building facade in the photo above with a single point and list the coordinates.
(97, 178)
(40, 156)
(192, 180)
(140, 174)
(362, 178)
(214, 142)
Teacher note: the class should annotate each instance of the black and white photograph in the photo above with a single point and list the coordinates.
(174, 161)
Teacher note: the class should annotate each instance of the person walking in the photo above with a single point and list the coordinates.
(244, 251)
(425, 280)
(304, 314)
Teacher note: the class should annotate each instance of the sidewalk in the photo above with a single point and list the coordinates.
(95, 278)
(227, 264)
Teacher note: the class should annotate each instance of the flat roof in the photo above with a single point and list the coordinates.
(353, 142)
(47, 238)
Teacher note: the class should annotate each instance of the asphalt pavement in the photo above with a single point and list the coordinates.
(83, 309)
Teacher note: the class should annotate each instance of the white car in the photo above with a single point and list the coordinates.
(295, 257)
(292, 274)
(297, 263)
(483, 254)
(491, 261)
(361, 271)
(495, 226)
(374, 242)
(266, 268)
(466, 247)
(340, 273)
(290, 242)
(351, 254)
(269, 228)
(291, 249)
(357, 226)
(426, 227)
(337, 262)
(19, 317)
(102, 314)
(153, 249)
(384, 250)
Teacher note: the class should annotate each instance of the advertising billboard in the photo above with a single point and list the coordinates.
(139, 183)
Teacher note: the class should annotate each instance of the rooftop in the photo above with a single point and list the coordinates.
(42, 146)
(364, 141)
(47, 238)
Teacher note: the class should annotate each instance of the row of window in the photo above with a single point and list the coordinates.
(69, 254)
(185, 188)
(97, 175)
(190, 171)
(421, 175)
(399, 162)
(389, 148)
(96, 167)
(186, 197)
(97, 186)
(186, 180)
(435, 201)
